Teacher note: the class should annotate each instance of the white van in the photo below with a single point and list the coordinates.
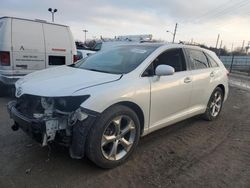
(30, 45)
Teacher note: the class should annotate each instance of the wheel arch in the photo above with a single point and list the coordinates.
(222, 87)
(137, 109)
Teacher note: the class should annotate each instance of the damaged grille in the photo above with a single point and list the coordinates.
(29, 105)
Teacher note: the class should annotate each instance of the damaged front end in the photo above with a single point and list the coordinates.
(57, 119)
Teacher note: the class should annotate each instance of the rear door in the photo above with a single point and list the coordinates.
(28, 45)
(202, 76)
(58, 45)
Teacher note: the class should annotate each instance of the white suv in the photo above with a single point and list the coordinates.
(102, 105)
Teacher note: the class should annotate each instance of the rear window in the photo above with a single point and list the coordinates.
(57, 60)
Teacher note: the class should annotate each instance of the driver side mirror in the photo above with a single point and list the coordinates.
(164, 70)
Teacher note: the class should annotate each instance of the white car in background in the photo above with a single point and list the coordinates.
(101, 46)
(102, 105)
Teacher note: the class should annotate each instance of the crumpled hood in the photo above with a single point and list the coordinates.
(61, 81)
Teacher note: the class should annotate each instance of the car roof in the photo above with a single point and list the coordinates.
(170, 45)
(36, 20)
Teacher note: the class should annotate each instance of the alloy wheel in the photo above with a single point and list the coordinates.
(216, 104)
(118, 138)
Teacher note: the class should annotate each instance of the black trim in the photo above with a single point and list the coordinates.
(80, 133)
(90, 112)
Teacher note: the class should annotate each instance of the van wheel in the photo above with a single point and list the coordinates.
(214, 105)
(114, 137)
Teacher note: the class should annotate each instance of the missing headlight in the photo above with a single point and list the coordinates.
(47, 103)
(69, 104)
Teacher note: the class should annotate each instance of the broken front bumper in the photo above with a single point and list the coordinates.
(47, 130)
(33, 127)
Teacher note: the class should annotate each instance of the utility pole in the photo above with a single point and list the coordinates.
(85, 32)
(175, 30)
(221, 44)
(218, 38)
(248, 46)
(173, 33)
(243, 44)
(52, 12)
(220, 48)
(232, 49)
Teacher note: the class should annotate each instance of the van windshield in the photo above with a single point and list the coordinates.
(119, 60)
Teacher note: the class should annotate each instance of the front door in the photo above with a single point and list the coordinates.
(170, 95)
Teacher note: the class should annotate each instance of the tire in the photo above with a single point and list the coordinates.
(106, 135)
(214, 108)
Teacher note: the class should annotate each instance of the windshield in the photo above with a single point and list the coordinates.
(119, 60)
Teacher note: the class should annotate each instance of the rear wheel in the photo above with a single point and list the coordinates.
(114, 137)
(214, 105)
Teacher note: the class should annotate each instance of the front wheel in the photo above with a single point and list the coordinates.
(214, 105)
(114, 137)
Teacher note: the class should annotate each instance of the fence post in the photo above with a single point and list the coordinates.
(231, 66)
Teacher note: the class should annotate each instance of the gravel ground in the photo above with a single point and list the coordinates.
(193, 153)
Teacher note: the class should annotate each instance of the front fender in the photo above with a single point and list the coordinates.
(106, 95)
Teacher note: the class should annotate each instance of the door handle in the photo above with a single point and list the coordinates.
(187, 80)
(212, 74)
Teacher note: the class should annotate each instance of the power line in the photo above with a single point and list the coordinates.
(224, 11)
(220, 7)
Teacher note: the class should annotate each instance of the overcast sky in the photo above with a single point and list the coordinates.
(200, 20)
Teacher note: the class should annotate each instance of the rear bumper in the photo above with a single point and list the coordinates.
(8, 79)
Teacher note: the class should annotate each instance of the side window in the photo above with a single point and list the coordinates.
(57, 60)
(199, 59)
(174, 58)
(212, 62)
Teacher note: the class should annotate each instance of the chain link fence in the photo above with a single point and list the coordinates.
(237, 64)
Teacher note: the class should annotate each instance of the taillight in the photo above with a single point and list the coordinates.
(75, 58)
(5, 58)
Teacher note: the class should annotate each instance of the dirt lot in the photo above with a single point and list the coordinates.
(193, 153)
